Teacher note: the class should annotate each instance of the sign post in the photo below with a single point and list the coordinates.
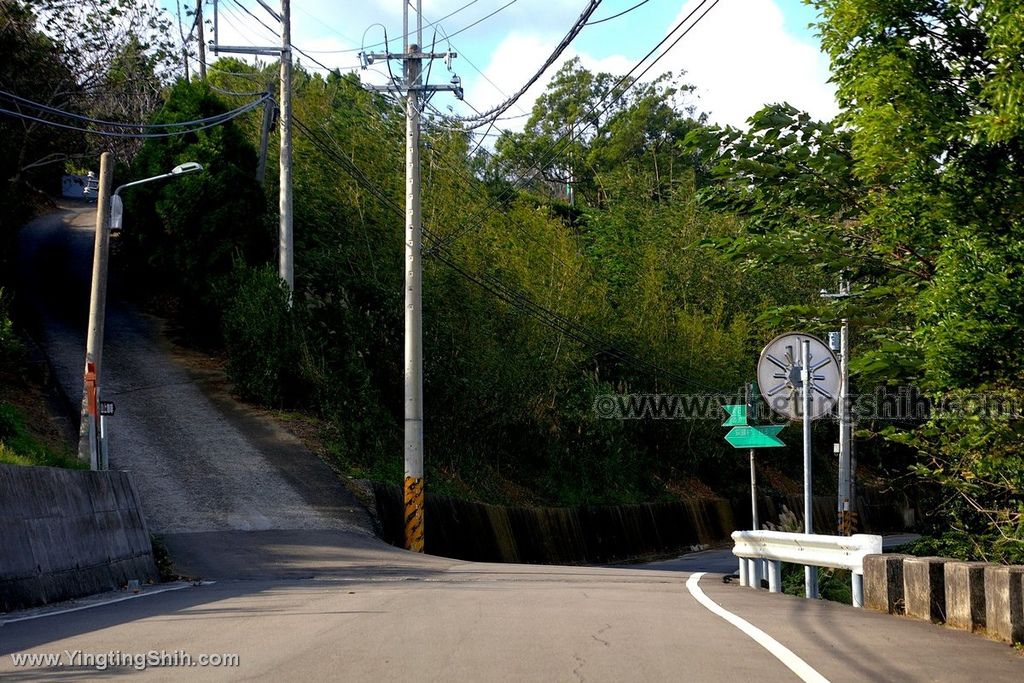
(745, 435)
(800, 378)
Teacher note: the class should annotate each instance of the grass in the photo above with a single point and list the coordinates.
(19, 446)
(833, 584)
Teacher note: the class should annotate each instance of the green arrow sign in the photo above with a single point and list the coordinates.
(737, 416)
(763, 436)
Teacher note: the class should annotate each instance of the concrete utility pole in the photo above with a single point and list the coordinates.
(285, 250)
(413, 497)
(286, 267)
(202, 40)
(415, 91)
(89, 432)
(92, 432)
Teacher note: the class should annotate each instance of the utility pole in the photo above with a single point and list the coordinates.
(285, 262)
(286, 269)
(184, 44)
(89, 433)
(844, 496)
(413, 489)
(268, 121)
(415, 92)
(202, 40)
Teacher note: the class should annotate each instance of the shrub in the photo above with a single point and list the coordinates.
(260, 336)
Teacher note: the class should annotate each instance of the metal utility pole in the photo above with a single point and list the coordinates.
(810, 573)
(286, 268)
(845, 433)
(844, 495)
(202, 40)
(415, 92)
(89, 432)
(751, 391)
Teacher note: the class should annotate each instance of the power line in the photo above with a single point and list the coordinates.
(495, 286)
(428, 24)
(574, 30)
(140, 136)
(554, 148)
(114, 124)
(262, 23)
(616, 16)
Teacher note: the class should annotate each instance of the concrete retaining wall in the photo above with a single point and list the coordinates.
(575, 535)
(68, 533)
(971, 596)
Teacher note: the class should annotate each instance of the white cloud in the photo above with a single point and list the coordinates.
(742, 58)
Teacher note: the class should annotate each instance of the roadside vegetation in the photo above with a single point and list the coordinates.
(27, 435)
(652, 254)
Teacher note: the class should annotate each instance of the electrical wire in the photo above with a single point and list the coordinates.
(428, 24)
(495, 286)
(581, 21)
(117, 124)
(139, 136)
(481, 19)
(260, 21)
(553, 148)
(595, 22)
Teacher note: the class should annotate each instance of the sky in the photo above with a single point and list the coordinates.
(742, 55)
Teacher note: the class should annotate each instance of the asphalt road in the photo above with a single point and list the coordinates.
(203, 463)
(303, 592)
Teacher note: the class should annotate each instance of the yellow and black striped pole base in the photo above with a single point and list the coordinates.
(414, 514)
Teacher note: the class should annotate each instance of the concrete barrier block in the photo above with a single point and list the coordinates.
(883, 583)
(1004, 602)
(965, 595)
(924, 590)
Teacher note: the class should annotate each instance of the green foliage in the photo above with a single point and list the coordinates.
(32, 64)
(260, 336)
(181, 237)
(833, 584)
(10, 345)
(509, 412)
(915, 193)
(19, 447)
(961, 545)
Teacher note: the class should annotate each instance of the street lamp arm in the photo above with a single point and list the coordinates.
(182, 169)
(141, 182)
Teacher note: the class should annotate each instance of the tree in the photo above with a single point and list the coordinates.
(183, 239)
(916, 192)
(28, 150)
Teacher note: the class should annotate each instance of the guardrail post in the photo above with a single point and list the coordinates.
(743, 572)
(858, 590)
(754, 573)
(774, 576)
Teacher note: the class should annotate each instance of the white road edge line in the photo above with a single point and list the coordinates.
(92, 605)
(777, 649)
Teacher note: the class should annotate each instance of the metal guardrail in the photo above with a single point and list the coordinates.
(815, 550)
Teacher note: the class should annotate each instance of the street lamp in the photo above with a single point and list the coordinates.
(117, 209)
(93, 409)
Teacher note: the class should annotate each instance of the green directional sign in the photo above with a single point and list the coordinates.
(737, 416)
(754, 436)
